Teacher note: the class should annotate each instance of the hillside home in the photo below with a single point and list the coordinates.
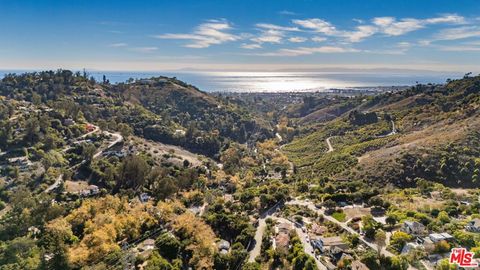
(327, 243)
(413, 227)
(473, 225)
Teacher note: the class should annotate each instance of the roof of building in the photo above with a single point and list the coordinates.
(285, 227)
(475, 222)
(282, 240)
(440, 236)
(329, 241)
(414, 224)
(358, 265)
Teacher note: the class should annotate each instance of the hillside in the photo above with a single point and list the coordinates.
(162, 109)
(436, 138)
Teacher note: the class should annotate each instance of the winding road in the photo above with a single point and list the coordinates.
(118, 138)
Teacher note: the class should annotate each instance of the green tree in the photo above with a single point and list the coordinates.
(168, 245)
(399, 239)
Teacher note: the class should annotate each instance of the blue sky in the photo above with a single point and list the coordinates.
(442, 35)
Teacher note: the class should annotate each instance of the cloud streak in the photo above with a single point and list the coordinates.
(213, 32)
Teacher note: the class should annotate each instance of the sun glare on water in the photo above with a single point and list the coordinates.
(272, 81)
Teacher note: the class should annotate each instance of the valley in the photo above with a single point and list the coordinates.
(156, 174)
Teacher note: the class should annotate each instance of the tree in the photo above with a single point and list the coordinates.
(168, 245)
(125, 130)
(398, 263)
(443, 217)
(156, 262)
(132, 172)
(442, 247)
(88, 151)
(380, 238)
(399, 239)
(391, 220)
(444, 264)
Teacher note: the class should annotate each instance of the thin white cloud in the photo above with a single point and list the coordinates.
(321, 26)
(276, 27)
(308, 51)
(297, 39)
(117, 45)
(461, 48)
(319, 39)
(458, 33)
(287, 12)
(213, 32)
(269, 36)
(392, 27)
(317, 25)
(144, 49)
(251, 46)
(389, 26)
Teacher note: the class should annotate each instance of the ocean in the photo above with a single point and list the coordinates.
(281, 81)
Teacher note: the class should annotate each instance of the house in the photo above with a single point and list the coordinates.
(437, 237)
(223, 246)
(145, 248)
(179, 133)
(358, 265)
(318, 229)
(413, 227)
(473, 225)
(409, 247)
(283, 228)
(144, 197)
(22, 162)
(328, 243)
(282, 240)
(68, 122)
(90, 191)
(89, 127)
(337, 254)
(282, 237)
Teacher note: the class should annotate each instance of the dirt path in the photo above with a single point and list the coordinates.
(329, 144)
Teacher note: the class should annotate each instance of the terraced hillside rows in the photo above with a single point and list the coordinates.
(437, 138)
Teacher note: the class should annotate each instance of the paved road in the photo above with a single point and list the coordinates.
(330, 147)
(307, 247)
(257, 245)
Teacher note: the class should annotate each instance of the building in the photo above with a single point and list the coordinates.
(89, 191)
(89, 127)
(413, 227)
(358, 265)
(22, 162)
(68, 122)
(282, 240)
(327, 243)
(145, 248)
(337, 254)
(473, 225)
(409, 247)
(283, 228)
(144, 197)
(437, 237)
(282, 237)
